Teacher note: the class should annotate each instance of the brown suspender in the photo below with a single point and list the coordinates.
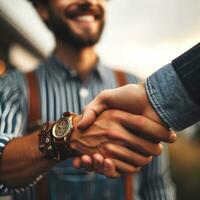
(128, 179)
(34, 110)
(34, 121)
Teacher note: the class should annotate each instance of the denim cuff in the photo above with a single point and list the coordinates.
(170, 99)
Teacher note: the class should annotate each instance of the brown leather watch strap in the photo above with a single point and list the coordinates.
(34, 121)
(128, 179)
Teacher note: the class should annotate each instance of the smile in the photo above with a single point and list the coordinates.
(85, 18)
(83, 15)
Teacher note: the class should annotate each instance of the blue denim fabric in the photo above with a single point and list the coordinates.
(73, 184)
(170, 99)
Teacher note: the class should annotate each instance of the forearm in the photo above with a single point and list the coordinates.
(22, 162)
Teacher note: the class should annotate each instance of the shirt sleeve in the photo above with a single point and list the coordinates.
(12, 118)
(171, 100)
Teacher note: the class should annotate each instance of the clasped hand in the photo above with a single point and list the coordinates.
(117, 143)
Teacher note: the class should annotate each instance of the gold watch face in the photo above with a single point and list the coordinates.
(62, 128)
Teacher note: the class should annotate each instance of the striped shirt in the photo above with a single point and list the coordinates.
(62, 90)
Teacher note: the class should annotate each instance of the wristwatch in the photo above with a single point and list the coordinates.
(54, 138)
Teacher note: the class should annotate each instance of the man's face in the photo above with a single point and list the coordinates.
(78, 22)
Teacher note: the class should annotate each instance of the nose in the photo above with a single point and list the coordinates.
(89, 1)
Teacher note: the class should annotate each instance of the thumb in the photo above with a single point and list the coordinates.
(88, 118)
(91, 112)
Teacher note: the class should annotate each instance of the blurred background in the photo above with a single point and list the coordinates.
(140, 37)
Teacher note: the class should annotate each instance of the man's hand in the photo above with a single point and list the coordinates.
(120, 136)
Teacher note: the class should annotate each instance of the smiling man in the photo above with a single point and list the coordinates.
(68, 80)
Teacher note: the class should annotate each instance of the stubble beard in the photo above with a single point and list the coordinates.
(64, 33)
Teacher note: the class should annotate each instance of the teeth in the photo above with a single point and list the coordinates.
(87, 18)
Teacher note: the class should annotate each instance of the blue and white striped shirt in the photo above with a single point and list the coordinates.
(61, 90)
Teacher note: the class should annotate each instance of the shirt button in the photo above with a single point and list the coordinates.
(84, 92)
(73, 73)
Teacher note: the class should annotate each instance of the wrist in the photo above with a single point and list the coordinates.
(75, 135)
(148, 110)
(54, 138)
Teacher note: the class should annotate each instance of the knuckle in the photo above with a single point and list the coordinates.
(114, 175)
(108, 146)
(137, 169)
(111, 134)
(160, 146)
(113, 114)
(141, 121)
(165, 134)
(132, 170)
(144, 161)
(157, 150)
(104, 95)
(111, 176)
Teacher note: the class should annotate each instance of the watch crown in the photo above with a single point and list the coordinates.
(66, 114)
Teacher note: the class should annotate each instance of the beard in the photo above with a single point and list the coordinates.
(64, 32)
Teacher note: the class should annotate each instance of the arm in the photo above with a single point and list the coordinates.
(18, 154)
(177, 82)
(171, 96)
(106, 136)
(18, 161)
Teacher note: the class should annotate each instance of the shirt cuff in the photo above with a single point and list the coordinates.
(170, 99)
(4, 140)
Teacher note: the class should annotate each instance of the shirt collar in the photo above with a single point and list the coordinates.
(98, 70)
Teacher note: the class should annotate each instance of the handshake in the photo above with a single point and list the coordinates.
(118, 133)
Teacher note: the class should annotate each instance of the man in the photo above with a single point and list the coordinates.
(68, 80)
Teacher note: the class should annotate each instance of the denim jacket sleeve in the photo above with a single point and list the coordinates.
(171, 100)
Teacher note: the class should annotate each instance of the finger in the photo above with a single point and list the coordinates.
(136, 143)
(109, 169)
(76, 162)
(98, 162)
(124, 168)
(149, 128)
(126, 155)
(86, 162)
(92, 110)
